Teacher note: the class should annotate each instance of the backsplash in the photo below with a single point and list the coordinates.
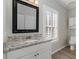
(21, 37)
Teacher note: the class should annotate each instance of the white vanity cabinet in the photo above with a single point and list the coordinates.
(44, 55)
(26, 57)
(39, 51)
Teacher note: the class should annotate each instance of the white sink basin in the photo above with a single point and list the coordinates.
(30, 41)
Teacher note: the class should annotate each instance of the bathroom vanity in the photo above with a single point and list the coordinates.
(25, 19)
(35, 50)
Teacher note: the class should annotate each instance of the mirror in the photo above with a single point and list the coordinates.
(25, 17)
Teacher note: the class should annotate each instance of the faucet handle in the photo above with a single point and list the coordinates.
(28, 37)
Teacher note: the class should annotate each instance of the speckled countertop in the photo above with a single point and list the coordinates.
(18, 44)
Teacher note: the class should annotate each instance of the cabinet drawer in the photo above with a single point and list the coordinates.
(29, 56)
(22, 52)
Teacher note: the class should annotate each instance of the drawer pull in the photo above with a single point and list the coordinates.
(37, 53)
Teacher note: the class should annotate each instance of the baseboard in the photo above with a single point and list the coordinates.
(59, 49)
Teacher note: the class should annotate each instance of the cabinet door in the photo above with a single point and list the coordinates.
(22, 53)
(44, 55)
(44, 51)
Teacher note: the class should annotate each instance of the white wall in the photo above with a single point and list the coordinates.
(62, 21)
(72, 13)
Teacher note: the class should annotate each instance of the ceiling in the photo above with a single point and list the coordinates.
(68, 3)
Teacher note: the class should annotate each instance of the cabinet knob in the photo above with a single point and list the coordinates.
(37, 53)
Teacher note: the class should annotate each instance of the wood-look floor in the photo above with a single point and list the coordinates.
(65, 53)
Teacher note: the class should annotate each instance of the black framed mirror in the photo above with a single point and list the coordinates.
(25, 17)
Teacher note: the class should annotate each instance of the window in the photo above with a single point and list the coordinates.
(51, 22)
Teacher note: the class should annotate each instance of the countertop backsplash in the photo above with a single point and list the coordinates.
(21, 37)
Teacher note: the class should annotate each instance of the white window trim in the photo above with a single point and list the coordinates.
(46, 8)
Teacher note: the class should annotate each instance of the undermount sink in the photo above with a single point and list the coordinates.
(30, 41)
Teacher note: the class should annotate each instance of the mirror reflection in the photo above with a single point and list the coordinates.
(26, 17)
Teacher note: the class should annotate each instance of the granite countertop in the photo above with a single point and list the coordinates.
(14, 44)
